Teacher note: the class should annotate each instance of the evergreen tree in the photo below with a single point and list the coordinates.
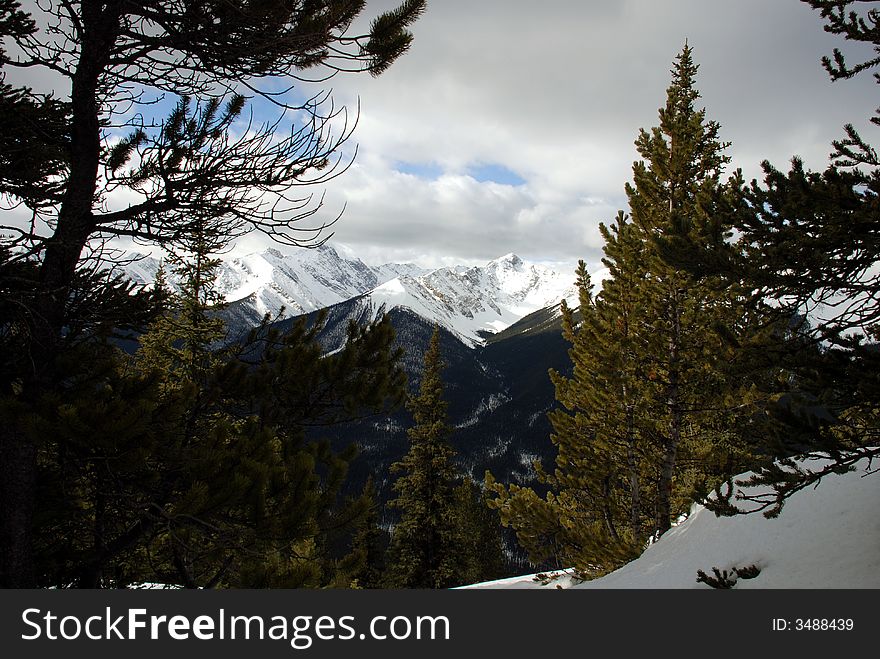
(371, 544)
(641, 421)
(808, 255)
(188, 463)
(424, 549)
(601, 423)
(677, 194)
(256, 504)
(180, 340)
(117, 59)
(481, 547)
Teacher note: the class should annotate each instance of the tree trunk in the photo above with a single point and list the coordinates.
(17, 488)
(670, 449)
(632, 461)
(607, 511)
(75, 225)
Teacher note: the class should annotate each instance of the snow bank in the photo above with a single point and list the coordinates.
(825, 537)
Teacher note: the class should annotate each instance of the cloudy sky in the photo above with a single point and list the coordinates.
(509, 126)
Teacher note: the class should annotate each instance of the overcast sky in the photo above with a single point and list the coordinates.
(509, 126)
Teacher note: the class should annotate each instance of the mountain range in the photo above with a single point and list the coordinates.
(500, 334)
(471, 302)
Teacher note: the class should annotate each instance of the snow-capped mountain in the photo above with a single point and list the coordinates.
(497, 388)
(302, 281)
(471, 302)
(474, 302)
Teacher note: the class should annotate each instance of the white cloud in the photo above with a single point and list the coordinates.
(556, 95)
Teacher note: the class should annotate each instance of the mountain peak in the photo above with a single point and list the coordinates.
(469, 301)
(327, 248)
(510, 258)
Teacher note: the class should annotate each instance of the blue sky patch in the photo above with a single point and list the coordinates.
(483, 172)
(426, 170)
(495, 173)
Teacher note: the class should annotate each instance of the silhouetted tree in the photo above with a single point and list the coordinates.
(103, 140)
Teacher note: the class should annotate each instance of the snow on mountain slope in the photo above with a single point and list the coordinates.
(302, 281)
(388, 271)
(466, 300)
(472, 300)
(827, 537)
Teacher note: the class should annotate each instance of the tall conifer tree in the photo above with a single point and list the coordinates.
(809, 252)
(371, 544)
(480, 544)
(423, 549)
(115, 59)
(676, 192)
(641, 414)
(253, 501)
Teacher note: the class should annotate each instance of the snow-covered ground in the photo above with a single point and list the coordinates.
(825, 537)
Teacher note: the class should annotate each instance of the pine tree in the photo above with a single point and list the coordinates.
(253, 503)
(676, 192)
(371, 543)
(600, 424)
(423, 549)
(182, 346)
(808, 254)
(596, 514)
(119, 58)
(180, 340)
(481, 547)
(644, 408)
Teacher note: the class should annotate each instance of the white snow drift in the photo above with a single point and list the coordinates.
(825, 537)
